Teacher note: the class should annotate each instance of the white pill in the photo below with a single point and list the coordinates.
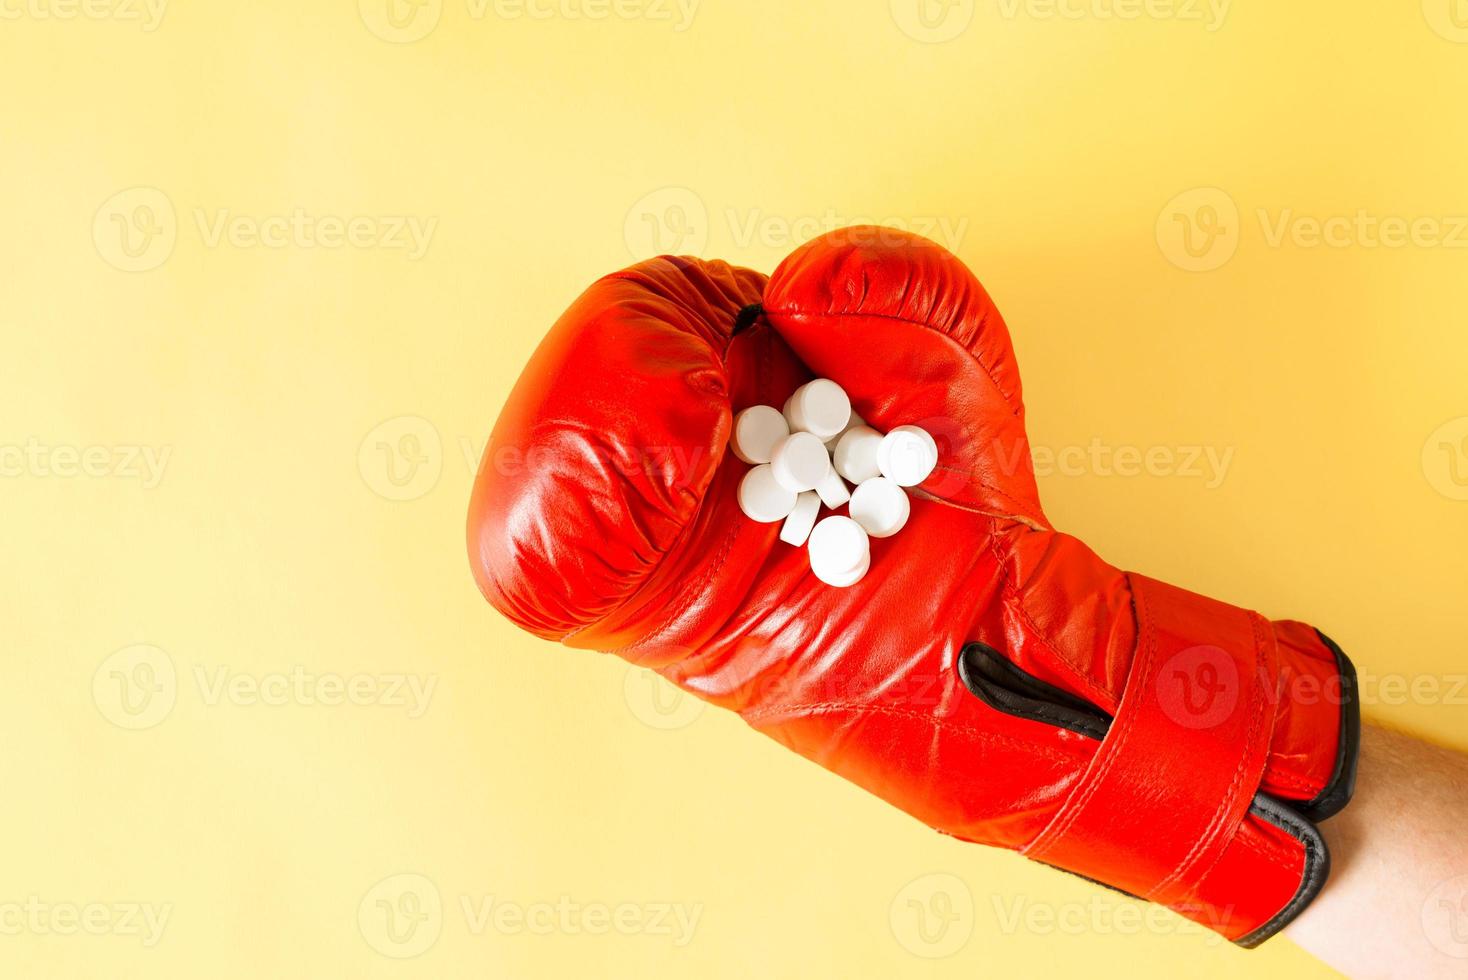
(819, 407)
(856, 454)
(762, 498)
(929, 437)
(756, 431)
(800, 462)
(907, 455)
(854, 422)
(833, 490)
(797, 526)
(880, 506)
(838, 546)
(852, 577)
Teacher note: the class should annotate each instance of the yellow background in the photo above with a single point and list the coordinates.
(322, 408)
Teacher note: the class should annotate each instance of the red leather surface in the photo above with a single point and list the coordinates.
(621, 533)
(1196, 755)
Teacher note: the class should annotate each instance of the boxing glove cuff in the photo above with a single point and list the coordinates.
(1170, 807)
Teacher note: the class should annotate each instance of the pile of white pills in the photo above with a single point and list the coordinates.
(806, 454)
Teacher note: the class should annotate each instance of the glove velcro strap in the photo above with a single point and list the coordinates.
(1167, 790)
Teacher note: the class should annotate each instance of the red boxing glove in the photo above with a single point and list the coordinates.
(990, 675)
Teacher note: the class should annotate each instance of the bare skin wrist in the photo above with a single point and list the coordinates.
(1396, 904)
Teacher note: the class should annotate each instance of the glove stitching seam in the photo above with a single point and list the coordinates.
(1015, 410)
(1012, 590)
(1058, 828)
(827, 707)
(1294, 782)
(988, 373)
(1264, 851)
(1215, 822)
(689, 594)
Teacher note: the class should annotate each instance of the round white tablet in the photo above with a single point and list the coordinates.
(929, 437)
(762, 498)
(856, 454)
(837, 546)
(833, 490)
(819, 407)
(756, 431)
(851, 423)
(797, 526)
(880, 506)
(852, 577)
(800, 461)
(907, 455)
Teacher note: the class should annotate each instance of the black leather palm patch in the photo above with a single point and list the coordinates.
(996, 681)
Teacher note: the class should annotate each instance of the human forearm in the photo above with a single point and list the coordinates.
(1396, 904)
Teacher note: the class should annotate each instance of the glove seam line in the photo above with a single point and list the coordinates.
(827, 707)
(1012, 590)
(1216, 822)
(1015, 410)
(1117, 741)
(1263, 850)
